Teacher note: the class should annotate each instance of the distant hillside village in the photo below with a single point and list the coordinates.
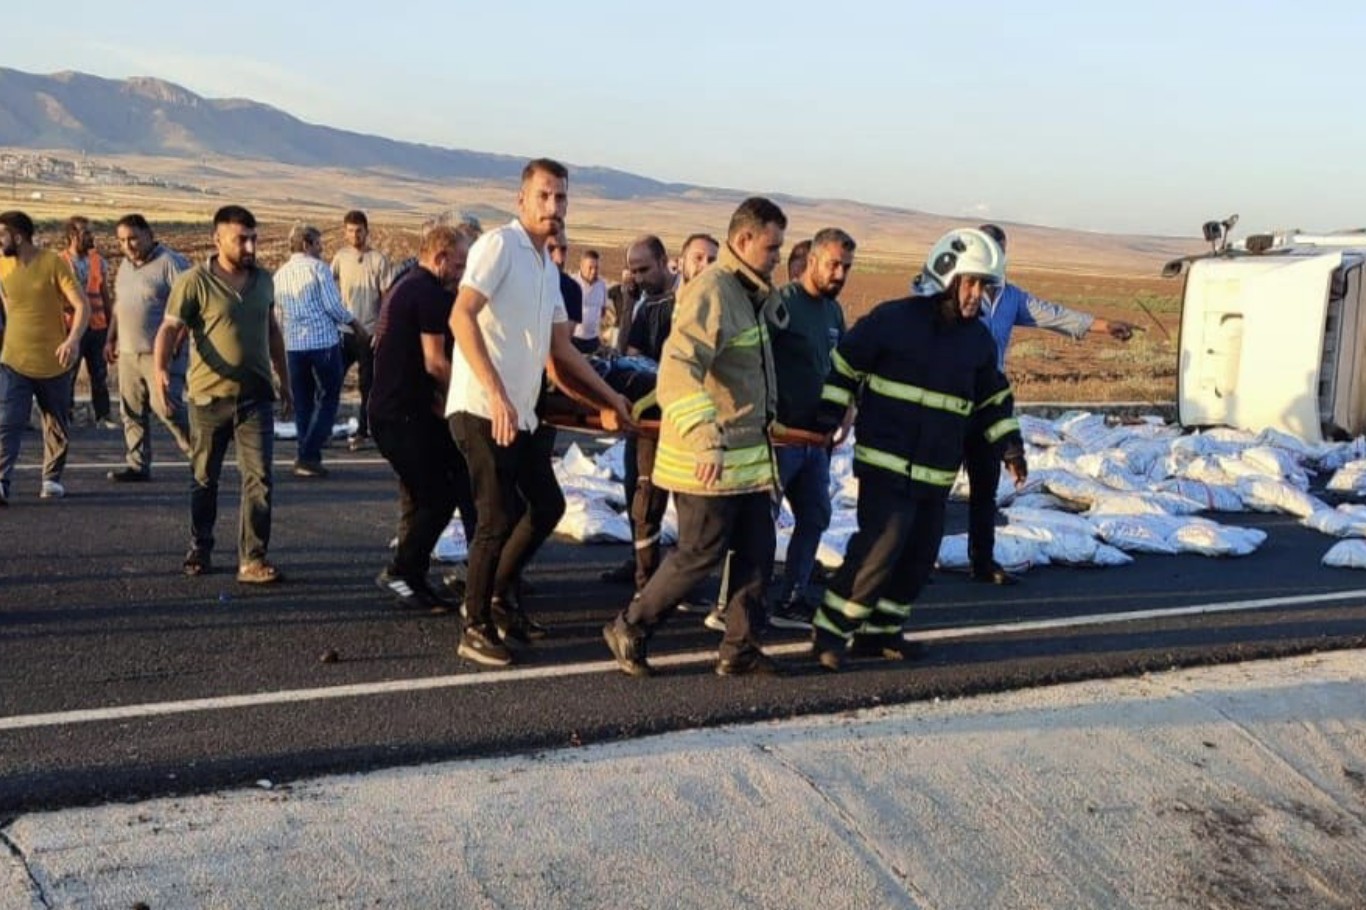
(81, 171)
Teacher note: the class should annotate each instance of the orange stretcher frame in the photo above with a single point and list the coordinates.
(650, 428)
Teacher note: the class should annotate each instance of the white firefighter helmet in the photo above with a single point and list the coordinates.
(963, 251)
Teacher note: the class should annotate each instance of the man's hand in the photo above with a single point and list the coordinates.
(163, 390)
(503, 416)
(66, 353)
(286, 402)
(709, 468)
(1120, 330)
(111, 351)
(618, 417)
(1018, 469)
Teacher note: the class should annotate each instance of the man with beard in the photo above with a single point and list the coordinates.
(363, 274)
(142, 286)
(922, 372)
(717, 394)
(92, 275)
(801, 361)
(645, 337)
(227, 306)
(510, 328)
(39, 349)
(412, 373)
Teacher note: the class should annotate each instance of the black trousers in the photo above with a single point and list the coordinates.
(364, 357)
(885, 564)
(519, 504)
(708, 526)
(433, 481)
(983, 465)
(648, 503)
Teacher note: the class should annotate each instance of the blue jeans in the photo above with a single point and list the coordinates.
(315, 379)
(804, 472)
(17, 393)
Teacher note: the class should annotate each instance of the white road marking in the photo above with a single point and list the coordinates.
(358, 690)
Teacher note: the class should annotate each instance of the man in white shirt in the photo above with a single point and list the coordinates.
(510, 327)
(594, 302)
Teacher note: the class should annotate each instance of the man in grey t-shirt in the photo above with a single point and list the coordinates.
(141, 286)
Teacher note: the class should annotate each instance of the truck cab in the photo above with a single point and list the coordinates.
(1273, 335)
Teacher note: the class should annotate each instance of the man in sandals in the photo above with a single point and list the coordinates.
(226, 303)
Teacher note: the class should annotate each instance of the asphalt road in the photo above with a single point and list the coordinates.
(120, 678)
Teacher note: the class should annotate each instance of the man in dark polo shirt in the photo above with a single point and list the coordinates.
(412, 373)
(227, 305)
(801, 359)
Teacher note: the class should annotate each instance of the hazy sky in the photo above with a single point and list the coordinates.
(1135, 117)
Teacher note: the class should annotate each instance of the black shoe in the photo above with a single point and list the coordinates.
(480, 644)
(357, 442)
(624, 574)
(749, 663)
(453, 586)
(994, 574)
(887, 647)
(196, 562)
(517, 628)
(309, 469)
(412, 593)
(795, 614)
(129, 475)
(627, 644)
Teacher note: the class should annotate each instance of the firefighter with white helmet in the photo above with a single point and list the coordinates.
(919, 371)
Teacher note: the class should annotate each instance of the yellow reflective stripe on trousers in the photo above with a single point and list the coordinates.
(898, 465)
(821, 621)
(893, 609)
(837, 395)
(846, 608)
(843, 368)
(921, 396)
(871, 629)
(1001, 428)
(998, 398)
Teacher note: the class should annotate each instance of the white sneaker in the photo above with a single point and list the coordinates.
(108, 424)
(52, 490)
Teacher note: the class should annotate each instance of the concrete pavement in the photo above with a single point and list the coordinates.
(1235, 786)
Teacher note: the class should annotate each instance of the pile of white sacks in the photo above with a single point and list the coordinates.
(1097, 492)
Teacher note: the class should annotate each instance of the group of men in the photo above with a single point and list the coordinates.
(459, 355)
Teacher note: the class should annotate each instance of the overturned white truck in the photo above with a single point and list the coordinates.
(1273, 334)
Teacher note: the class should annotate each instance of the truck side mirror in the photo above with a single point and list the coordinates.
(1213, 231)
(1173, 268)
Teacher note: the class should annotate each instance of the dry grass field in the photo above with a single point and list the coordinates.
(1106, 275)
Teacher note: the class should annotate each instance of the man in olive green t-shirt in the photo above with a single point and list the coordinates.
(226, 304)
(38, 350)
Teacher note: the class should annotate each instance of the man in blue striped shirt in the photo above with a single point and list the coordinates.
(312, 313)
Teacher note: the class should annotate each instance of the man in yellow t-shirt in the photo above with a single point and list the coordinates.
(39, 350)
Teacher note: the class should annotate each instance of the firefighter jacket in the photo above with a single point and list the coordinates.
(716, 388)
(921, 383)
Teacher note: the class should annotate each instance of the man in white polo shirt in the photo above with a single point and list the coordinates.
(510, 326)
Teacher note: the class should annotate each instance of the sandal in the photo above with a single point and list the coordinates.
(258, 572)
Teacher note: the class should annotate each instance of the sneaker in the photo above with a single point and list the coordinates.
(716, 619)
(453, 586)
(52, 490)
(795, 614)
(309, 469)
(886, 647)
(411, 594)
(480, 645)
(621, 574)
(627, 644)
(357, 442)
(104, 423)
(129, 475)
(515, 626)
(196, 562)
(749, 663)
(258, 572)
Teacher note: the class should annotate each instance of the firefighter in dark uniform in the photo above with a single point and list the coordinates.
(921, 372)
